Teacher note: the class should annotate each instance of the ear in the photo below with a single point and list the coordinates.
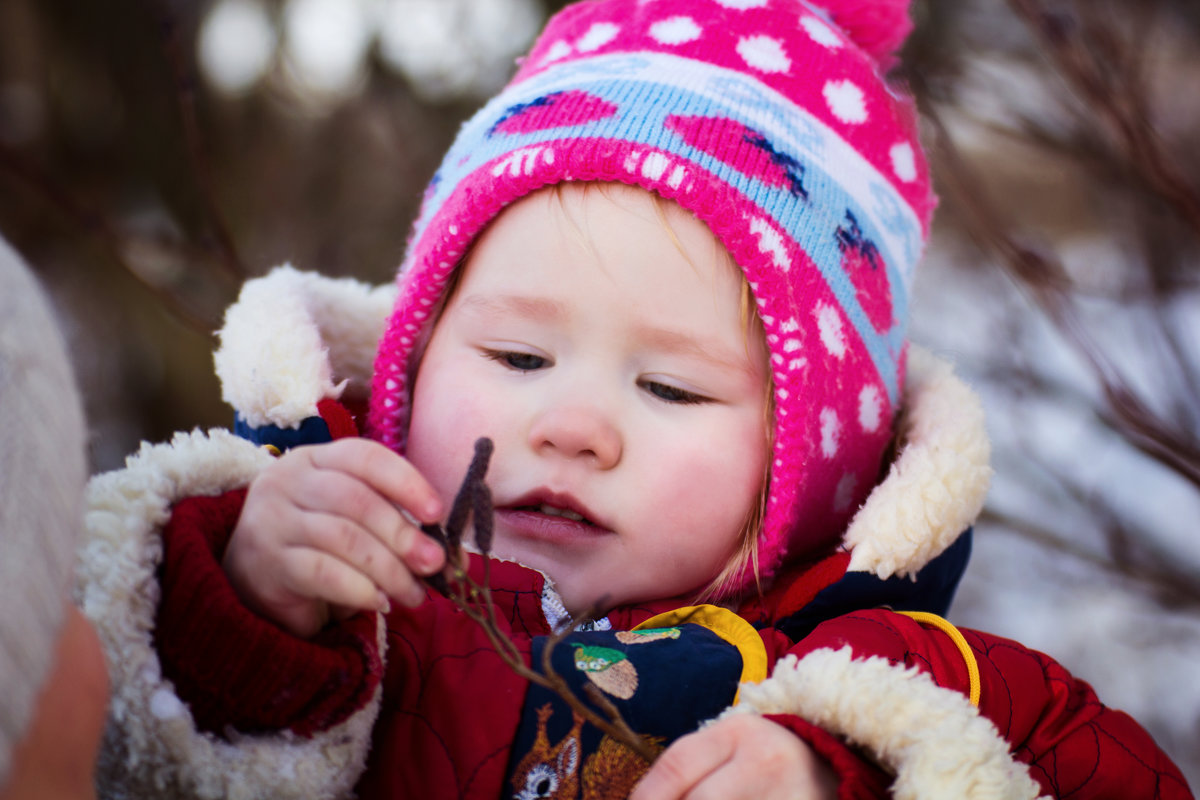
(568, 757)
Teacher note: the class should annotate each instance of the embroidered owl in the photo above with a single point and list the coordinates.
(609, 669)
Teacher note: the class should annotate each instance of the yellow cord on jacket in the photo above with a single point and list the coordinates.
(960, 642)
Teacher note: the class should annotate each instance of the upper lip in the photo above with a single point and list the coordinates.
(562, 500)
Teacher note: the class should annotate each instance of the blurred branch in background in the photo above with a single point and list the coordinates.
(154, 153)
(1100, 56)
(1064, 279)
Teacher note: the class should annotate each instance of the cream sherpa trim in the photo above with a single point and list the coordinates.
(290, 336)
(151, 747)
(936, 487)
(934, 740)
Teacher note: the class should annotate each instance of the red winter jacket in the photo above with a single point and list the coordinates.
(455, 721)
(210, 701)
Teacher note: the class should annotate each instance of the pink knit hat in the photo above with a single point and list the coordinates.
(770, 121)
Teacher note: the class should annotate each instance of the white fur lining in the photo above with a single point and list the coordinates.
(151, 746)
(935, 741)
(294, 338)
(936, 486)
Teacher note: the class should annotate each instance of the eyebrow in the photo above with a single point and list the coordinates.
(522, 305)
(682, 344)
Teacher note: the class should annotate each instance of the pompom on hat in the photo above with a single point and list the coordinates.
(771, 122)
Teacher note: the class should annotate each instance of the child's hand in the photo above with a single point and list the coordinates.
(743, 756)
(322, 526)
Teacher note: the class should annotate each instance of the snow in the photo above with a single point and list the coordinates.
(1110, 630)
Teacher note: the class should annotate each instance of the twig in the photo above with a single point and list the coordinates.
(1044, 277)
(475, 600)
(1121, 105)
(1173, 588)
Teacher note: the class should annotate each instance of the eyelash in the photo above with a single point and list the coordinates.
(508, 357)
(673, 394)
(660, 391)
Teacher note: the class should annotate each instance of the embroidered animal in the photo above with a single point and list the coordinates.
(609, 669)
(647, 635)
(613, 770)
(549, 772)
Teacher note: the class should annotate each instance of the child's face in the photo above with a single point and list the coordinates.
(618, 381)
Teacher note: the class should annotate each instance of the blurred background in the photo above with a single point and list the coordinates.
(156, 153)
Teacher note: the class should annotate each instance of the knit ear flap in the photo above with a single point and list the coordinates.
(879, 27)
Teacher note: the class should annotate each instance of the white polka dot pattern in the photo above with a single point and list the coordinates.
(675, 31)
(846, 101)
(870, 408)
(829, 325)
(597, 36)
(558, 50)
(770, 241)
(843, 496)
(831, 432)
(904, 161)
(821, 33)
(764, 54)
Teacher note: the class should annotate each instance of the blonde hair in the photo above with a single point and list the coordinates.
(722, 587)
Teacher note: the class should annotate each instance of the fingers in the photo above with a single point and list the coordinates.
(725, 783)
(392, 476)
(352, 507)
(357, 549)
(743, 756)
(333, 524)
(308, 572)
(683, 766)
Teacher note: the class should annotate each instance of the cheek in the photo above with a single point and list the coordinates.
(448, 415)
(718, 483)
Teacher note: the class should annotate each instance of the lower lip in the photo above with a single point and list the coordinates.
(547, 527)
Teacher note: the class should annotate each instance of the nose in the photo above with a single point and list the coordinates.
(577, 432)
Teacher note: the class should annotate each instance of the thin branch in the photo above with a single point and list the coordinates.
(475, 600)
(1173, 588)
(1123, 110)
(1048, 283)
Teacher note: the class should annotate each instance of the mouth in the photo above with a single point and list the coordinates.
(549, 510)
(555, 509)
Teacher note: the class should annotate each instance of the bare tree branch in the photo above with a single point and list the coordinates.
(1043, 277)
(1116, 95)
(475, 600)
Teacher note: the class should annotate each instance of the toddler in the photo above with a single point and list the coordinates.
(666, 271)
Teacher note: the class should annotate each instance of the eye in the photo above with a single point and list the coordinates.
(517, 360)
(673, 394)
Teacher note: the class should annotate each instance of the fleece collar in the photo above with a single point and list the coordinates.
(294, 339)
